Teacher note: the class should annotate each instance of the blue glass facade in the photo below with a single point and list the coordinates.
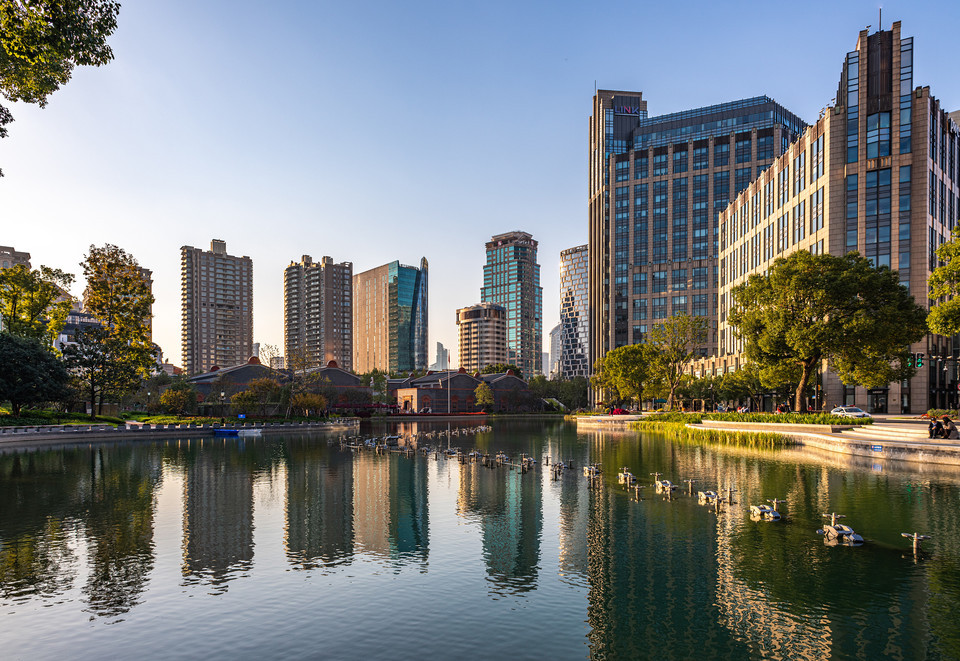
(408, 316)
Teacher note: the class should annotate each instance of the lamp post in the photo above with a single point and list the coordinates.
(222, 396)
(713, 401)
(148, 401)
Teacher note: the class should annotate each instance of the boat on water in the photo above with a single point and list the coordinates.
(221, 432)
(250, 433)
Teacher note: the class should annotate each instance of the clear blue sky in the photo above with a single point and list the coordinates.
(374, 131)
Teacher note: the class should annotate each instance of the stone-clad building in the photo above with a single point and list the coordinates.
(318, 313)
(879, 172)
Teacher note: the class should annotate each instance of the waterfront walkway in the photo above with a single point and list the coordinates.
(887, 438)
(132, 431)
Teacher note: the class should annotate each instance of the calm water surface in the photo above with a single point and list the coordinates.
(292, 547)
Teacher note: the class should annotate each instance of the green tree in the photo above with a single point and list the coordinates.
(29, 373)
(483, 394)
(306, 402)
(502, 368)
(261, 395)
(678, 340)
(572, 392)
(180, 402)
(34, 303)
(814, 307)
(944, 318)
(625, 372)
(115, 357)
(41, 41)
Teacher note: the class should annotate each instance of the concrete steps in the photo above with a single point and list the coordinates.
(889, 432)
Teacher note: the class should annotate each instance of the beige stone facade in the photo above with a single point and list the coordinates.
(318, 313)
(483, 336)
(877, 173)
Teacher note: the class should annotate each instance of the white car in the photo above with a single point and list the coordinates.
(850, 412)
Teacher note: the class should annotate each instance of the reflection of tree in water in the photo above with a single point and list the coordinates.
(119, 527)
(40, 563)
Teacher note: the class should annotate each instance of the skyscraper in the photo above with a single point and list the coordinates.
(655, 187)
(318, 313)
(511, 278)
(553, 367)
(574, 356)
(390, 318)
(483, 336)
(443, 358)
(217, 308)
(879, 172)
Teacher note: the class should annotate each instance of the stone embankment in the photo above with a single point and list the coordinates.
(905, 440)
(131, 431)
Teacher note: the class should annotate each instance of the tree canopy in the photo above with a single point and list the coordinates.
(810, 308)
(626, 371)
(502, 368)
(41, 41)
(29, 372)
(113, 357)
(944, 318)
(677, 341)
(34, 303)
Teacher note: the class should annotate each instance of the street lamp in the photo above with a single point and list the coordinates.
(222, 396)
(148, 400)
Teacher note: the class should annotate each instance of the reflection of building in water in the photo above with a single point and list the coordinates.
(371, 474)
(509, 507)
(390, 505)
(319, 506)
(408, 507)
(574, 520)
(218, 517)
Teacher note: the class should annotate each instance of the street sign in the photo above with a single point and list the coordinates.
(242, 416)
(876, 448)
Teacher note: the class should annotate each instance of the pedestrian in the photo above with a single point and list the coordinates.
(931, 428)
(937, 428)
(949, 428)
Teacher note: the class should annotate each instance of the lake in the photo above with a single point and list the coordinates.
(293, 547)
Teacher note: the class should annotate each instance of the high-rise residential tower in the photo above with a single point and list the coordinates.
(655, 186)
(216, 308)
(318, 313)
(443, 358)
(574, 356)
(511, 278)
(879, 173)
(483, 336)
(390, 318)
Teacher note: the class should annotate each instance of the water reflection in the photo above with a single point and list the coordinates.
(79, 531)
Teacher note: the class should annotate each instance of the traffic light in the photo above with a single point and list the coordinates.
(919, 360)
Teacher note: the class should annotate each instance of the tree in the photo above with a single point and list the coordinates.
(626, 371)
(678, 341)
(810, 308)
(261, 395)
(178, 401)
(29, 373)
(41, 41)
(483, 394)
(34, 303)
(502, 368)
(306, 402)
(116, 356)
(944, 318)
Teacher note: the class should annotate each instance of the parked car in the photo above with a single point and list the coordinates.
(850, 412)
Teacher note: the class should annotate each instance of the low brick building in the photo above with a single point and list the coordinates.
(455, 392)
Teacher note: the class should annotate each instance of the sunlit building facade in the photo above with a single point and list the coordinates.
(318, 313)
(511, 278)
(655, 186)
(390, 318)
(483, 336)
(877, 173)
(216, 308)
(574, 313)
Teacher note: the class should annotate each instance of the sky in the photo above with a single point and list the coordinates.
(382, 131)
